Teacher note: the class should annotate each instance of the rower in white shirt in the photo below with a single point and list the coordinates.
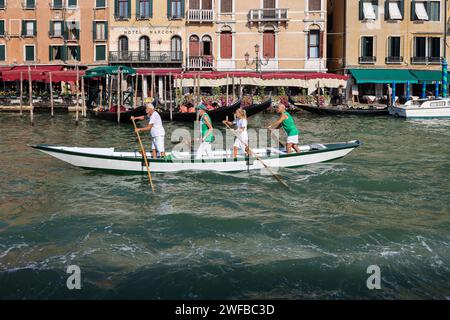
(156, 130)
(241, 130)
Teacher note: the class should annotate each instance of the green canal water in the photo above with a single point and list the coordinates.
(237, 236)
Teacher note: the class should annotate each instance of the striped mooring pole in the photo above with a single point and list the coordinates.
(444, 77)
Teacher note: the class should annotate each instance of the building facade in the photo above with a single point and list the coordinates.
(53, 32)
(398, 43)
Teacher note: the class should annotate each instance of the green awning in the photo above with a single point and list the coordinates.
(108, 70)
(427, 75)
(383, 76)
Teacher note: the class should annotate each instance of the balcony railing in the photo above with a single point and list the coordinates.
(367, 59)
(202, 62)
(426, 60)
(195, 15)
(146, 57)
(263, 15)
(394, 60)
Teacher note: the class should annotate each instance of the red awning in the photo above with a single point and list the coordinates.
(158, 72)
(38, 68)
(14, 75)
(66, 76)
(264, 76)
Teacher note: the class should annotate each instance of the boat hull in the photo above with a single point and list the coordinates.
(349, 111)
(420, 113)
(107, 159)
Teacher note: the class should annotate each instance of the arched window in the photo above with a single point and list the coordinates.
(207, 45)
(123, 48)
(176, 49)
(144, 48)
(194, 46)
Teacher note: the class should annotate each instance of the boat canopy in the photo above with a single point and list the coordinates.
(108, 70)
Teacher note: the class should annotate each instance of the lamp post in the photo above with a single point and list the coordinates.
(444, 59)
(257, 60)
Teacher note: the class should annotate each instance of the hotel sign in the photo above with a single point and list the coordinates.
(149, 31)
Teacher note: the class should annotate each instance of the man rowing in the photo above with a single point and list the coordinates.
(155, 127)
(207, 136)
(287, 123)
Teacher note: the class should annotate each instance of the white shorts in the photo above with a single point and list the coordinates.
(238, 144)
(292, 139)
(158, 143)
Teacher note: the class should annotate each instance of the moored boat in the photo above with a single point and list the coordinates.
(125, 116)
(370, 111)
(422, 108)
(216, 115)
(131, 162)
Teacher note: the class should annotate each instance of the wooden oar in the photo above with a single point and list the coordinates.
(258, 158)
(144, 155)
(276, 138)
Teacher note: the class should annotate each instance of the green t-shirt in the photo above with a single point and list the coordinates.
(289, 125)
(205, 129)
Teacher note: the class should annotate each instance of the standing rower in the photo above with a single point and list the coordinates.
(287, 122)
(156, 129)
(241, 130)
(207, 136)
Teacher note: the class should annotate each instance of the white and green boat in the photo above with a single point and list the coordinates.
(130, 162)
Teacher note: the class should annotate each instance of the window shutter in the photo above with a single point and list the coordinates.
(51, 31)
(321, 44)
(151, 8)
(413, 11)
(169, 9)
(24, 27)
(34, 28)
(129, 9)
(64, 53)
(402, 8)
(361, 14)
(138, 8)
(2, 27)
(307, 44)
(183, 8)
(106, 30)
(78, 53)
(2, 52)
(226, 45)
(94, 30)
(269, 44)
(386, 10)
(116, 9)
(77, 30)
(50, 53)
(64, 30)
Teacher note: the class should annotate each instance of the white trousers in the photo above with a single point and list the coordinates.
(205, 147)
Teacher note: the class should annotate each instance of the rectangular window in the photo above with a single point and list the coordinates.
(72, 4)
(56, 53)
(2, 4)
(206, 4)
(314, 44)
(2, 52)
(72, 30)
(226, 45)
(2, 28)
(123, 9)
(420, 47)
(194, 4)
(57, 4)
(100, 31)
(73, 53)
(143, 9)
(29, 53)
(394, 47)
(434, 48)
(100, 3)
(420, 11)
(175, 9)
(100, 52)
(369, 11)
(314, 5)
(30, 4)
(28, 28)
(269, 45)
(394, 12)
(434, 12)
(226, 6)
(367, 50)
(56, 28)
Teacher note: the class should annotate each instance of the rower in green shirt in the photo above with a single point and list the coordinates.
(287, 123)
(207, 133)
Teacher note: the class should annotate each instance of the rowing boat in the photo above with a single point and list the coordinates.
(131, 162)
